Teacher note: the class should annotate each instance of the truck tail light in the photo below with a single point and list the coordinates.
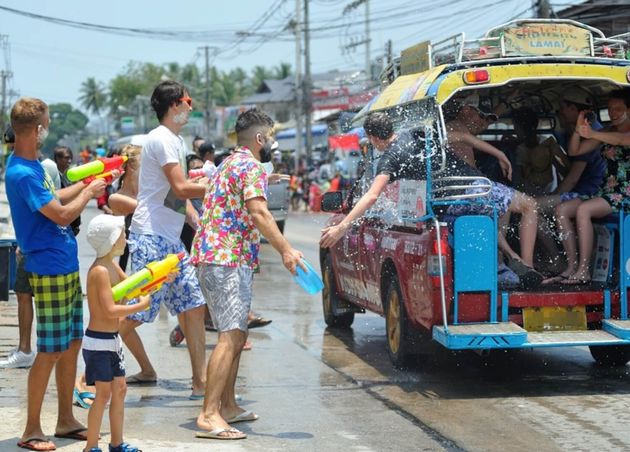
(476, 76)
(433, 264)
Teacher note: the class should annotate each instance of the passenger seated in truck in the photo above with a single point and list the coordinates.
(582, 179)
(397, 156)
(535, 159)
(461, 121)
(614, 189)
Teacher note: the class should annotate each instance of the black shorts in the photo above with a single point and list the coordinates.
(102, 353)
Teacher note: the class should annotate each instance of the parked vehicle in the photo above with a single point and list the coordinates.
(435, 276)
(278, 202)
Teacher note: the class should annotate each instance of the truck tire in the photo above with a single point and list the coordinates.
(330, 299)
(396, 325)
(280, 226)
(610, 355)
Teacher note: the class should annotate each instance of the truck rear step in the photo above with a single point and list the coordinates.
(509, 335)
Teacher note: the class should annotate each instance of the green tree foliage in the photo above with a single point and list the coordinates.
(139, 79)
(282, 71)
(64, 121)
(93, 96)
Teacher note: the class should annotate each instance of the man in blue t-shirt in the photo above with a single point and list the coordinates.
(41, 218)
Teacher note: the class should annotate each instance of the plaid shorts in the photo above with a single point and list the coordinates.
(59, 310)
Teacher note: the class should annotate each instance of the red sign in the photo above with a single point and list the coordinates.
(348, 142)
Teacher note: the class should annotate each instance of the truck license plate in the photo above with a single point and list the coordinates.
(554, 318)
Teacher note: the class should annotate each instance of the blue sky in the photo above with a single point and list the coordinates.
(50, 61)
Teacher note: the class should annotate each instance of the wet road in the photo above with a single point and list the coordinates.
(320, 390)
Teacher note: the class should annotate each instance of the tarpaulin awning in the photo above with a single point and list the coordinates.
(402, 90)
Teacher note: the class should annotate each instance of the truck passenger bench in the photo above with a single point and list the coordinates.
(475, 270)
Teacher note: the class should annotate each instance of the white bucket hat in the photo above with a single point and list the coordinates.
(103, 232)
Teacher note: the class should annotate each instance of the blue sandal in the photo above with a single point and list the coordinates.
(123, 447)
(78, 398)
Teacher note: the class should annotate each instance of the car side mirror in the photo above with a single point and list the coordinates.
(332, 202)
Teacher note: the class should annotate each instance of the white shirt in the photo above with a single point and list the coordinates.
(159, 211)
(51, 168)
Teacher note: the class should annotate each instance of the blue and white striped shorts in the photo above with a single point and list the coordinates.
(181, 295)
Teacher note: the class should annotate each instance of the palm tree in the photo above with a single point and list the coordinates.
(93, 96)
(282, 71)
(260, 74)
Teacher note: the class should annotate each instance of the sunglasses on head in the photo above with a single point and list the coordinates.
(186, 99)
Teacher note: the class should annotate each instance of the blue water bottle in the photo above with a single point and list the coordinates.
(310, 281)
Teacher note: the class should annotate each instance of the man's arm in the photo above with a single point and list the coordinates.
(70, 192)
(471, 140)
(613, 138)
(64, 215)
(267, 226)
(192, 217)
(567, 184)
(332, 234)
(181, 187)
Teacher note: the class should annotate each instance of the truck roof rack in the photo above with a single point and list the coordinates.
(521, 38)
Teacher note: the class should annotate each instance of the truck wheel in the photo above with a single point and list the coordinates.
(611, 355)
(330, 299)
(280, 226)
(396, 325)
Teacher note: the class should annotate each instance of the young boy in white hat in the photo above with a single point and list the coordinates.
(102, 347)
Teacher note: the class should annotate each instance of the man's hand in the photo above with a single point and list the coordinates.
(506, 167)
(291, 259)
(276, 178)
(332, 234)
(96, 188)
(582, 127)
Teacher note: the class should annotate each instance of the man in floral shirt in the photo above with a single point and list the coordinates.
(225, 250)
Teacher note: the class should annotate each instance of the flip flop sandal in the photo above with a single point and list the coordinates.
(74, 434)
(217, 433)
(575, 281)
(79, 398)
(258, 322)
(528, 275)
(30, 444)
(245, 416)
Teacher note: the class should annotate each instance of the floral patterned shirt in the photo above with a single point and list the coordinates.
(226, 234)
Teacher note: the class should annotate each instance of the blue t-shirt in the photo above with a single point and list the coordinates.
(591, 178)
(49, 249)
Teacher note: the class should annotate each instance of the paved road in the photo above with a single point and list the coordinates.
(320, 390)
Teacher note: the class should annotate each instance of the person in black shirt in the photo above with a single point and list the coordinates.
(400, 159)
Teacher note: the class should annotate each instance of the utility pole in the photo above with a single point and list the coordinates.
(543, 9)
(5, 75)
(308, 100)
(208, 112)
(366, 40)
(388, 51)
(368, 62)
(299, 111)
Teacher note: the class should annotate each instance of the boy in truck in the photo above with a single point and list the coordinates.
(464, 121)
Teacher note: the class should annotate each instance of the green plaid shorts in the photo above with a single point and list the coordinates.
(59, 310)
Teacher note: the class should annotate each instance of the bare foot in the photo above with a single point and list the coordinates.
(217, 422)
(74, 427)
